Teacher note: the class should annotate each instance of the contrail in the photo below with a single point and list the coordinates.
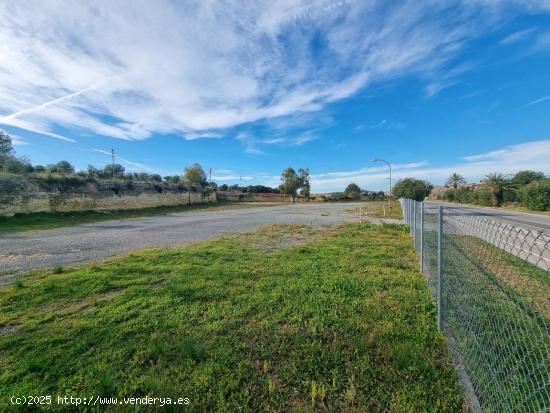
(139, 165)
(534, 102)
(8, 118)
(40, 132)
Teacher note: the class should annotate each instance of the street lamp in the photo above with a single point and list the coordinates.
(389, 165)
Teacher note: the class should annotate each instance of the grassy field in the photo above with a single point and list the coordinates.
(49, 220)
(284, 319)
(379, 209)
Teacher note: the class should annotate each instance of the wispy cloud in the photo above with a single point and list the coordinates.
(197, 69)
(534, 102)
(517, 36)
(510, 159)
(18, 141)
(383, 124)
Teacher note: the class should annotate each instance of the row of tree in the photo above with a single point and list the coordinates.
(257, 189)
(192, 176)
(529, 188)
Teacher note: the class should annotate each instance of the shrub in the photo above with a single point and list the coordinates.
(536, 195)
(352, 191)
(412, 188)
(483, 198)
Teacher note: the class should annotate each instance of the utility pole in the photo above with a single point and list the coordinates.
(210, 175)
(113, 168)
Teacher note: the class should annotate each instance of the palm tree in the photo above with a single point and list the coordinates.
(455, 180)
(496, 183)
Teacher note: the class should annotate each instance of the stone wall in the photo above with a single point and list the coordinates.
(253, 197)
(23, 195)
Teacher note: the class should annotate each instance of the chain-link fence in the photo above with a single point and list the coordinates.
(491, 281)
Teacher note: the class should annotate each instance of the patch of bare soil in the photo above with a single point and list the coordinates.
(274, 237)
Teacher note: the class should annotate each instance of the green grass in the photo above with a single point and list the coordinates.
(496, 308)
(379, 209)
(49, 220)
(284, 319)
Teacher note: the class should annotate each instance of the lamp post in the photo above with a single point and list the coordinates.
(389, 166)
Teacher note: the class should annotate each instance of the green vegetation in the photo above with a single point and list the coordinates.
(13, 169)
(352, 191)
(536, 195)
(292, 181)
(264, 322)
(259, 189)
(379, 209)
(50, 220)
(488, 291)
(412, 188)
(528, 189)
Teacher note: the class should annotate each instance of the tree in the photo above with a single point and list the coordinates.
(536, 195)
(172, 179)
(223, 187)
(117, 168)
(39, 168)
(290, 183)
(93, 172)
(194, 176)
(6, 148)
(303, 178)
(412, 188)
(526, 177)
(352, 191)
(62, 167)
(155, 178)
(17, 166)
(496, 183)
(455, 180)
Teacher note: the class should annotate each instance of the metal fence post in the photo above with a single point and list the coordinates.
(414, 223)
(439, 265)
(422, 237)
(410, 215)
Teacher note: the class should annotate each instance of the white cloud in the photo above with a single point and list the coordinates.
(196, 68)
(18, 141)
(508, 160)
(517, 36)
(383, 124)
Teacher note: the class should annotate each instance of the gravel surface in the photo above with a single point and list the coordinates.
(76, 245)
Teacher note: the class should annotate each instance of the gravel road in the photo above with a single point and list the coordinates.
(76, 245)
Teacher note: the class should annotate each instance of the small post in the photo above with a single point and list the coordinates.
(422, 237)
(439, 265)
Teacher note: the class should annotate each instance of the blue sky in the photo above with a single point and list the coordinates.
(249, 89)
